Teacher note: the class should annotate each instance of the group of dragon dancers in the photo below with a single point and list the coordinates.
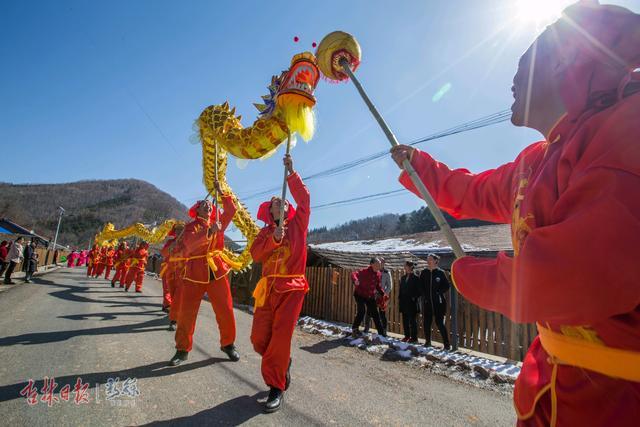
(569, 200)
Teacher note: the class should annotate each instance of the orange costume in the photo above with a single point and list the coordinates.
(120, 264)
(91, 260)
(108, 263)
(138, 264)
(100, 263)
(171, 274)
(281, 290)
(205, 270)
(574, 212)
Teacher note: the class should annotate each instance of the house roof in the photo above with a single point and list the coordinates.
(10, 227)
(483, 241)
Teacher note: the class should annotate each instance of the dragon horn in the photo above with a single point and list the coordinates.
(233, 111)
(260, 107)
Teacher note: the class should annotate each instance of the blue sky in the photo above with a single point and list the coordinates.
(104, 90)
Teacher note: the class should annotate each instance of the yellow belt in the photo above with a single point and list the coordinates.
(261, 291)
(165, 264)
(613, 362)
(210, 260)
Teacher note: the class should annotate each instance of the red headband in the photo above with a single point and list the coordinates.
(264, 212)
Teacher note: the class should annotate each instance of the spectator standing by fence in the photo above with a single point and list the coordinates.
(30, 261)
(367, 282)
(409, 302)
(14, 256)
(434, 286)
(4, 251)
(382, 299)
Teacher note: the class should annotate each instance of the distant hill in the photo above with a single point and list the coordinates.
(386, 225)
(88, 204)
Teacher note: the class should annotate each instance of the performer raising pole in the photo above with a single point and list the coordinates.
(281, 247)
(568, 201)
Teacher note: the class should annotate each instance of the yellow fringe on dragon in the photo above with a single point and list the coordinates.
(287, 109)
(109, 235)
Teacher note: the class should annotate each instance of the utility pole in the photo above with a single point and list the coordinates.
(55, 239)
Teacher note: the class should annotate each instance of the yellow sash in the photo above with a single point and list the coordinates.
(613, 362)
(210, 256)
(261, 291)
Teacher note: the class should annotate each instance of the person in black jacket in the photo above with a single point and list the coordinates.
(409, 302)
(30, 261)
(434, 287)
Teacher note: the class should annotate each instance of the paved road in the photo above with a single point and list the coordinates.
(65, 326)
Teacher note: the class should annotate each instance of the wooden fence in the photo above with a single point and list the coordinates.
(330, 297)
(45, 258)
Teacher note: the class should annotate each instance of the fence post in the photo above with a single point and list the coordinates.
(454, 318)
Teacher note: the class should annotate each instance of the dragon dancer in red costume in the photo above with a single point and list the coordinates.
(101, 258)
(282, 250)
(108, 264)
(206, 270)
(572, 202)
(120, 259)
(91, 259)
(170, 273)
(138, 264)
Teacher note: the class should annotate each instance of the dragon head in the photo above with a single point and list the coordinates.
(291, 97)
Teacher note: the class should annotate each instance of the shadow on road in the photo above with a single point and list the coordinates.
(56, 336)
(113, 315)
(232, 412)
(156, 369)
(324, 346)
(72, 293)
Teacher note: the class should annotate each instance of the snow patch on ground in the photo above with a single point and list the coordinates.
(457, 365)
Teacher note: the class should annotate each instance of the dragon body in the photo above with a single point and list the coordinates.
(287, 109)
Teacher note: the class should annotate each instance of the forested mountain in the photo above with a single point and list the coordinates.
(88, 205)
(386, 225)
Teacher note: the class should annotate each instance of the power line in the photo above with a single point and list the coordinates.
(382, 195)
(491, 119)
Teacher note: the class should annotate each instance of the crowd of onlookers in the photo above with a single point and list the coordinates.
(422, 292)
(12, 253)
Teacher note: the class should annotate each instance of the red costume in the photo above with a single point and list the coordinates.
(205, 270)
(171, 274)
(108, 262)
(138, 264)
(100, 262)
(167, 272)
(91, 260)
(281, 290)
(121, 264)
(575, 218)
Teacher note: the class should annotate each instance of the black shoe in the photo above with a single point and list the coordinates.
(447, 347)
(276, 396)
(11, 282)
(165, 309)
(178, 358)
(231, 352)
(113, 284)
(126, 289)
(138, 291)
(288, 376)
(27, 281)
(172, 325)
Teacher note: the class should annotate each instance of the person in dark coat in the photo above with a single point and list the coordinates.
(435, 285)
(409, 302)
(30, 261)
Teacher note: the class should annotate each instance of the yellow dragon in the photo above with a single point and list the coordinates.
(109, 236)
(287, 109)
